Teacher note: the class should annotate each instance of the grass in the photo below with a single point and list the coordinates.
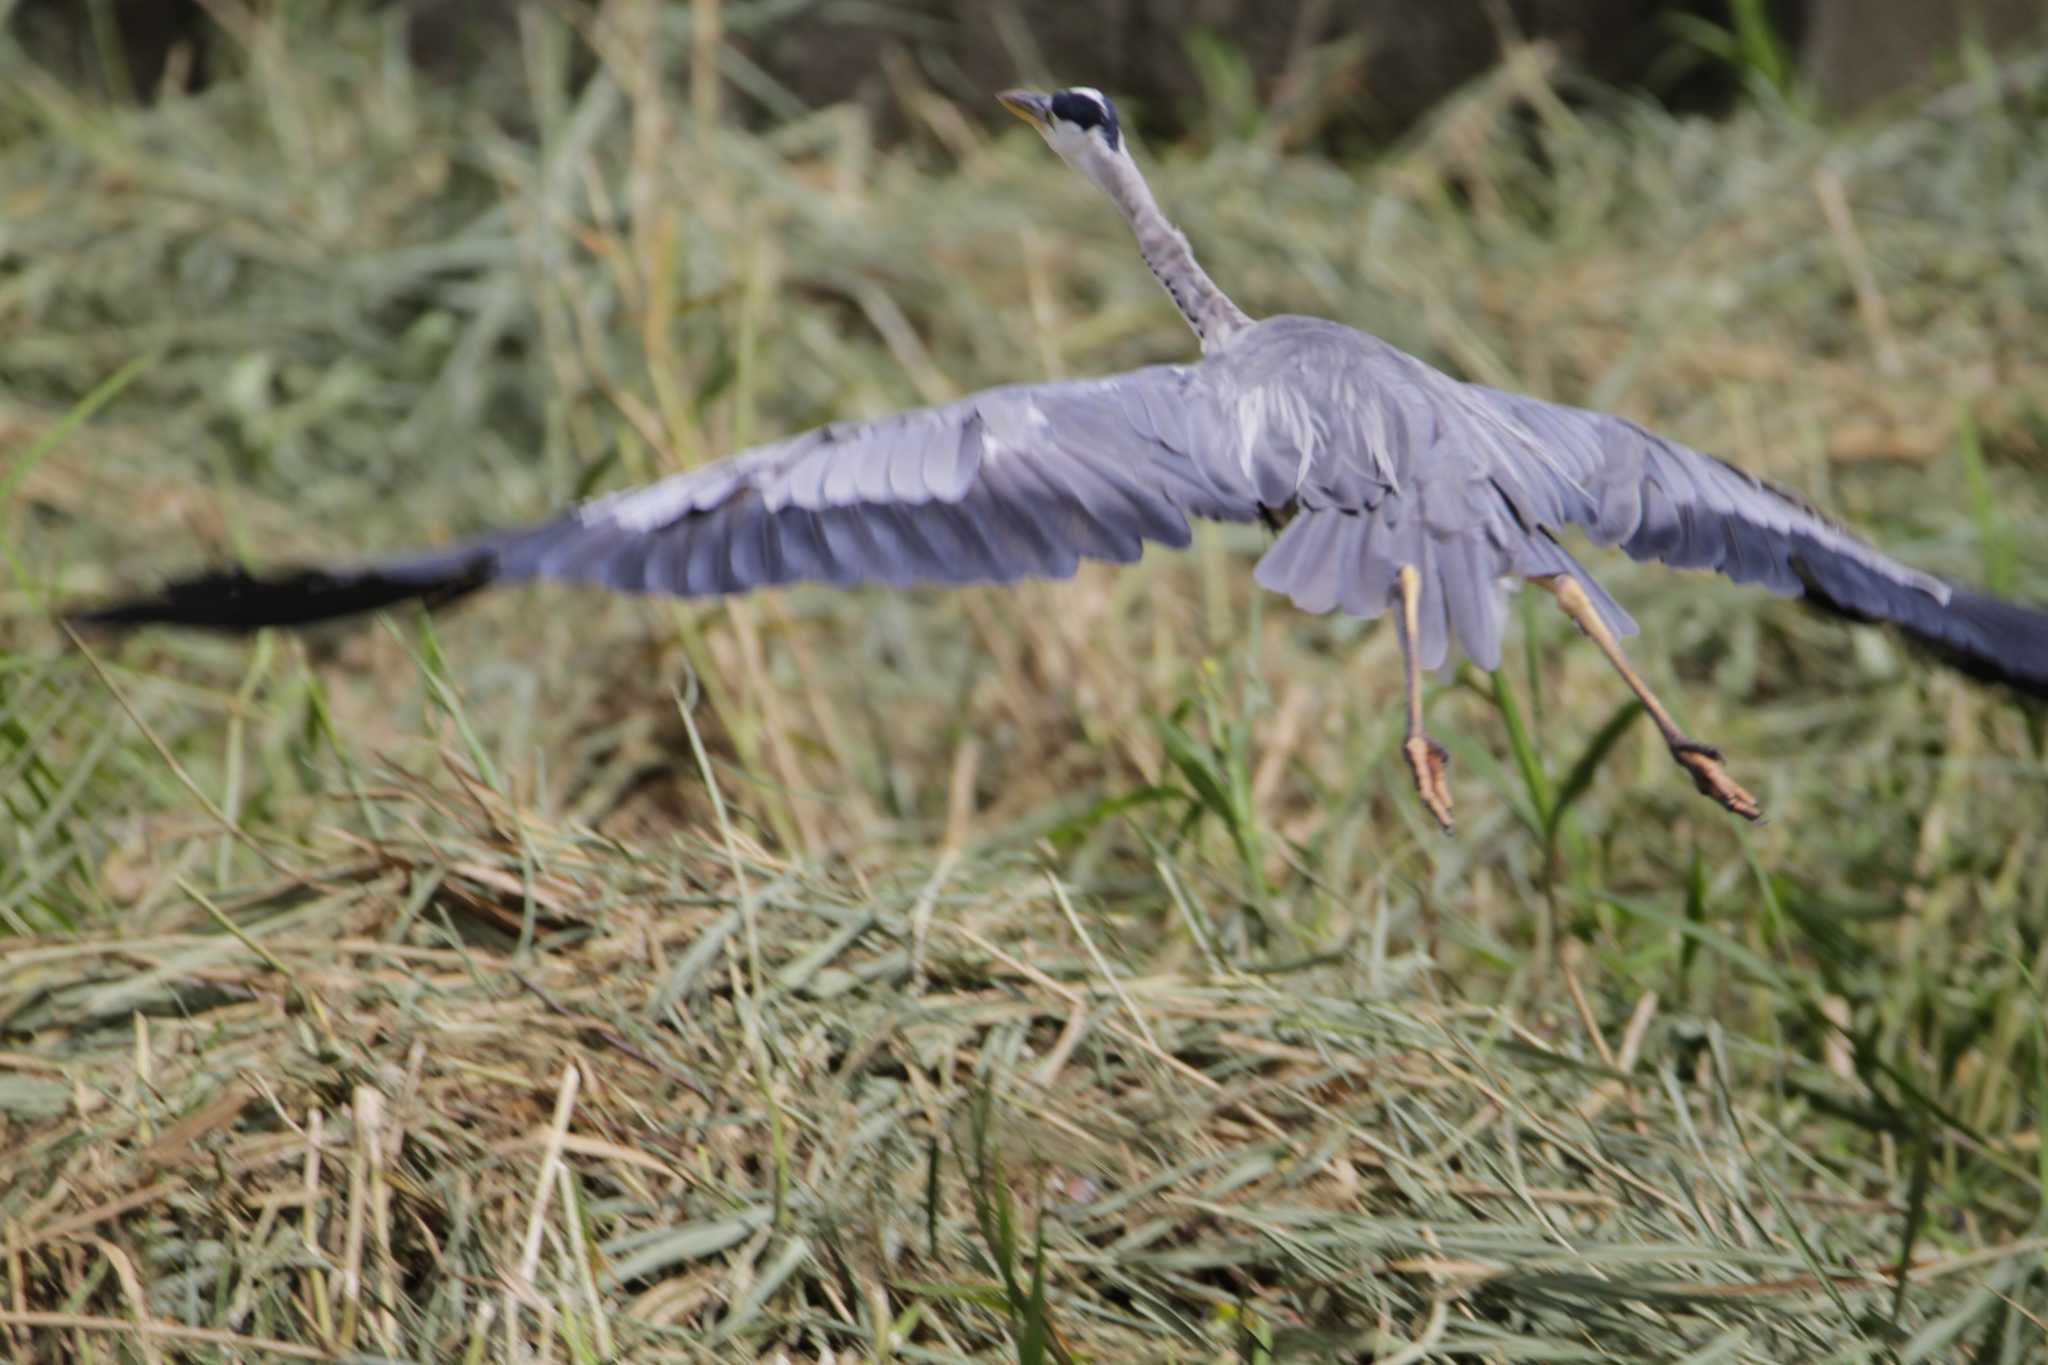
(1052, 974)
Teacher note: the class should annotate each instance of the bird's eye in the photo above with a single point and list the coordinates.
(1087, 109)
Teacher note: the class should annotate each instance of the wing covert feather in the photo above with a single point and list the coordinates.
(1390, 462)
(1657, 499)
(1013, 482)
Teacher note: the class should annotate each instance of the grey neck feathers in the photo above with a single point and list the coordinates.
(1209, 311)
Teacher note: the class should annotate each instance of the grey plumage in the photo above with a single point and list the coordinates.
(1382, 460)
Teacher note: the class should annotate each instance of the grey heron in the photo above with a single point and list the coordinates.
(1391, 484)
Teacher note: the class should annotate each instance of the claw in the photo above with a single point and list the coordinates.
(1429, 761)
(1704, 763)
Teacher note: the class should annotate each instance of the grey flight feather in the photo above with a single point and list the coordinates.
(1023, 481)
(1381, 461)
(1385, 461)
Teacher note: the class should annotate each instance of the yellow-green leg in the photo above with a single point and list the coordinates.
(1703, 761)
(1426, 758)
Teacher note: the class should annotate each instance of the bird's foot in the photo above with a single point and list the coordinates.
(1703, 761)
(1429, 761)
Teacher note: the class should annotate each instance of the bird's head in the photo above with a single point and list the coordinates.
(1079, 123)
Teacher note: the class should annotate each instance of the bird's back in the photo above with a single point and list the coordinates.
(1387, 463)
(1315, 413)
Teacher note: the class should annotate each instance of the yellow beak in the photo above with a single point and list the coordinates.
(1029, 105)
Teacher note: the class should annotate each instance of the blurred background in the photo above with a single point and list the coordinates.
(1403, 57)
(310, 280)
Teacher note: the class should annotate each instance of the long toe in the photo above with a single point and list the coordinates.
(1430, 764)
(1704, 763)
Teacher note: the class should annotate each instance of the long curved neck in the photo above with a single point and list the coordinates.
(1209, 311)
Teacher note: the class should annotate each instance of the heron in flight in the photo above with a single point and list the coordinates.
(1394, 488)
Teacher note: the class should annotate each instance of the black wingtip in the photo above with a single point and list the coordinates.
(235, 601)
(1988, 638)
(1993, 640)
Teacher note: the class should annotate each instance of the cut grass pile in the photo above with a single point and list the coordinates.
(1056, 973)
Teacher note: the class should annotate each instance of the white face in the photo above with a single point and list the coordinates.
(1071, 141)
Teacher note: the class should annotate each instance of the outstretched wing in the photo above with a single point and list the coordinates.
(1657, 499)
(1014, 482)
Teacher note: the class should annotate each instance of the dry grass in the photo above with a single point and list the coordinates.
(1065, 973)
(727, 1103)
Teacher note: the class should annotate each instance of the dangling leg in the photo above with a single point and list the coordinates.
(1426, 758)
(1703, 761)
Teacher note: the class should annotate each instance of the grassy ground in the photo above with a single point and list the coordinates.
(1064, 972)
